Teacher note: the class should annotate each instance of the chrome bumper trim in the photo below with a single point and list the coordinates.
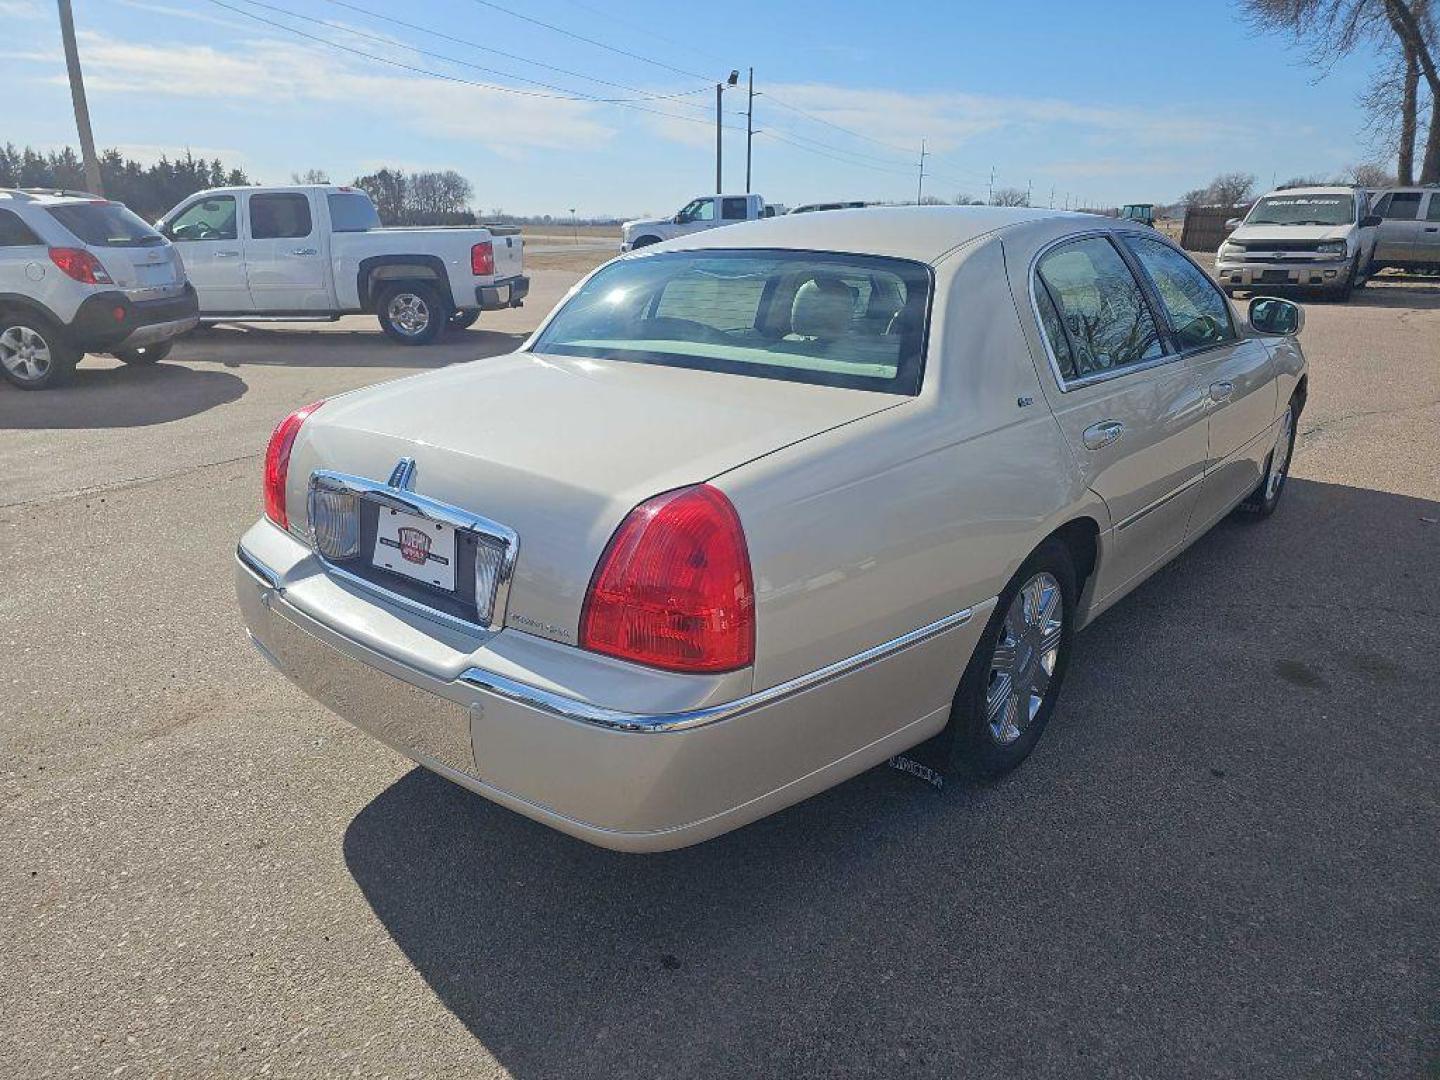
(587, 713)
(154, 333)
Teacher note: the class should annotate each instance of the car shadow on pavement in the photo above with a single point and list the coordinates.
(119, 396)
(243, 346)
(1217, 861)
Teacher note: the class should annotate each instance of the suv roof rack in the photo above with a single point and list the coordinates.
(63, 193)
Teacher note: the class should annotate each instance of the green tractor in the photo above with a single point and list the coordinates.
(1144, 213)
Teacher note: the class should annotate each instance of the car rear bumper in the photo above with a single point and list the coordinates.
(1327, 274)
(626, 781)
(111, 320)
(503, 293)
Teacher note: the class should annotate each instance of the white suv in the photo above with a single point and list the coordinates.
(82, 274)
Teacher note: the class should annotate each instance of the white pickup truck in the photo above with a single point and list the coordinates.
(319, 251)
(705, 212)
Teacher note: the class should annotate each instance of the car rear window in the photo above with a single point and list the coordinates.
(105, 224)
(855, 321)
(352, 213)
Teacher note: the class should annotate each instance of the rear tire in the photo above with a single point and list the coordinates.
(1013, 680)
(1342, 293)
(34, 354)
(411, 313)
(145, 355)
(644, 241)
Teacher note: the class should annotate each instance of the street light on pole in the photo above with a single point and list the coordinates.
(733, 80)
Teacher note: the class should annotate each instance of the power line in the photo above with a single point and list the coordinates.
(844, 161)
(591, 41)
(455, 78)
(500, 52)
(563, 91)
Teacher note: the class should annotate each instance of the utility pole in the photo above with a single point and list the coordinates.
(920, 184)
(1029, 192)
(749, 127)
(719, 143)
(991, 200)
(77, 97)
(1052, 196)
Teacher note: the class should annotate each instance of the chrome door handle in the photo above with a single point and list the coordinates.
(1103, 434)
(1221, 391)
(304, 251)
(227, 254)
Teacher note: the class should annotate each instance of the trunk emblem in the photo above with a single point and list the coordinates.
(414, 545)
(402, 477)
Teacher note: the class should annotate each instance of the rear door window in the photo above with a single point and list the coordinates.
(733, 209)
(283, 216)
(1433, 212)
(1103, 312)
(14, 232)
(352, 212)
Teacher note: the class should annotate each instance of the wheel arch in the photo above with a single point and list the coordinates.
(18, 302)
(378, 271)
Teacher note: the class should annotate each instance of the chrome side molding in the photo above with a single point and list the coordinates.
(586, 713)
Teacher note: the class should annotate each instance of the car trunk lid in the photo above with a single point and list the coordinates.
(559, 449)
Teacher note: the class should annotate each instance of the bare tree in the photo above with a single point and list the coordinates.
(1010, 197)
(1369, 174)
(1403, 30)
(1301, 181)
(1231, 189)
(932, 200)
(310, 176)
(966, 199)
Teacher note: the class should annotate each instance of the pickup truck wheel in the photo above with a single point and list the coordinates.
(146, 354)
(410, 314)
(33, 353)
(1013, 679)
(644, 241)
(462, 320)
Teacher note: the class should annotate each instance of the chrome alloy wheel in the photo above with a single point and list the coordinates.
(25, 354)
(1280, 456)
(408, 313)
(1024, 658)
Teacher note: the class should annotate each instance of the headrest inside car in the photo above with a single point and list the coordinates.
(822, 308)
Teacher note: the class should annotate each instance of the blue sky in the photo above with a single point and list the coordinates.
(1106, 104)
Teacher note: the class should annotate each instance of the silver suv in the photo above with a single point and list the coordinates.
(82, 274)
(1315, 239)
(1409, 228)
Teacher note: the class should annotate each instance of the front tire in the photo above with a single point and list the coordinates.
(1261, 502)
(34, 354)
(644, 241)
(145, 355)
(1011, 684)
(412, 314)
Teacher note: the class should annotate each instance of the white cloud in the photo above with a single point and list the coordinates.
(21, 9)
(270, 72)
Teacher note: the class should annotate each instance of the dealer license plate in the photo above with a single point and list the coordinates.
(415, 547)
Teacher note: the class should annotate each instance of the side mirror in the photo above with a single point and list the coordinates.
(678, 219)
(1233, 224)
(1275, 317)
(1371, 221)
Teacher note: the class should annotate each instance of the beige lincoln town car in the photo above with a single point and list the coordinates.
(757, 509)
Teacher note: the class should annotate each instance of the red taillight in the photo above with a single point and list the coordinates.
(482, 259)
(277, 463)
(80, 265)
(673, 588)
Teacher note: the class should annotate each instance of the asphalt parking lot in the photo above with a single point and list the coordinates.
(1221, 861)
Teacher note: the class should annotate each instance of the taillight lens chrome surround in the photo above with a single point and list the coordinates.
(673, 589)
(334, 503)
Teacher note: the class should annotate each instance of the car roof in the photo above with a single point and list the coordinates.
(923, 233)
(49, 196)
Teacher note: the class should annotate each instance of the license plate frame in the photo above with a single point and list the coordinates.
(415, 547)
